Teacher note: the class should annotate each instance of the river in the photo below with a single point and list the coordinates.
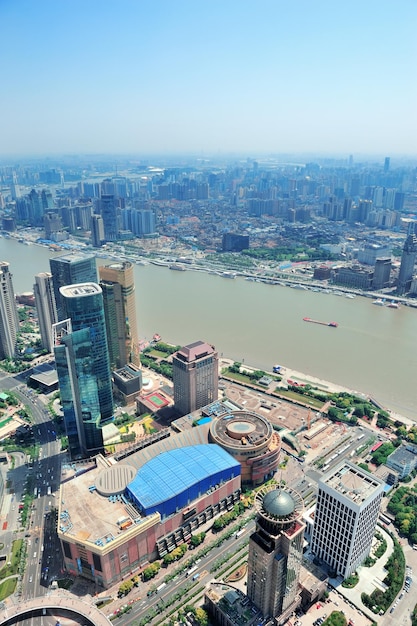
(373, 349)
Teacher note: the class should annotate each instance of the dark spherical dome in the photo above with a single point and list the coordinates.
(278, 503)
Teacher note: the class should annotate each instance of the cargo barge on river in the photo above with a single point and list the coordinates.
(331, 324)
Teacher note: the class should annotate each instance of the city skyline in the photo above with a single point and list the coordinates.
(208, 79)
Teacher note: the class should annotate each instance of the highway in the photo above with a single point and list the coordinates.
(43, 561)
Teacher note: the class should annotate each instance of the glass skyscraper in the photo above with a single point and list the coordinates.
(78, 388)
(83, 305)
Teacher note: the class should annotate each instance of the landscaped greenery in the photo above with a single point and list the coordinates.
(380, 455)
(351, 582)
(7, 587)
(14, 560)
(151, 571)
(336, 618)
(175, 555)
(161, 367)
(403, 505)
(395, 566)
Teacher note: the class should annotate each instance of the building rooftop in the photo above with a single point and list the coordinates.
(352, 482)
(176, 471)
(402, 456)
(241, 430)
(193, 351)
(79, 290)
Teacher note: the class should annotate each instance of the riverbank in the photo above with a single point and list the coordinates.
(289, 376)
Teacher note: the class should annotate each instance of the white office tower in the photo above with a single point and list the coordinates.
(45, 307)
(346, 514)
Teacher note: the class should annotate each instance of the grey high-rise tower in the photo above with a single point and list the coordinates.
(9, 319)
(275, 552)
(46, 308)
(70, 269)
(408, 261)
(195, 370)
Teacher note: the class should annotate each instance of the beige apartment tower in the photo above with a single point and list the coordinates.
(195, 370)
(117, 282)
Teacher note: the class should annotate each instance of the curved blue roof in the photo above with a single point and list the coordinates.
(173, 479)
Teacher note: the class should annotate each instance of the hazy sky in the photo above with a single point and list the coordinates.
(208, 76)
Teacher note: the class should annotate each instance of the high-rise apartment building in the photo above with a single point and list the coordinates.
(78, 386)
(275, 552)
(43, 290)
(9, 319)
(408, 261)
(346, 514)
(117, 282)
(70, 269)
(195, 370)
(83, 305)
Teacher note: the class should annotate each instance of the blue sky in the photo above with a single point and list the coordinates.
(208, 77)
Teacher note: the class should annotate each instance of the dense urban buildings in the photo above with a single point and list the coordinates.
(195, 370)
(347, 509)
(275, 552)
(9, 319)
(118, 285)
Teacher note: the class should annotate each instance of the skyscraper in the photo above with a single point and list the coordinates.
(70, 269)
(83, 305)
(97, 231)
(108, 212)
(46, 308)
(275, 552)
(408, 260)
(195, 370)
(117, 282)
(347, 510)
(78, 386)
(9, 319)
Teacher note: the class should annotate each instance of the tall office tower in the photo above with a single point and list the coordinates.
(275, 552)
(117, 282)
(9, 319)
(108, 211)
(97, 231)
(408, 260)
(70, 269)
(43, 290)
(83, 305)
(386, 164)
(347, 510)
(382, 273)
(195, 370)
(78, 386)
